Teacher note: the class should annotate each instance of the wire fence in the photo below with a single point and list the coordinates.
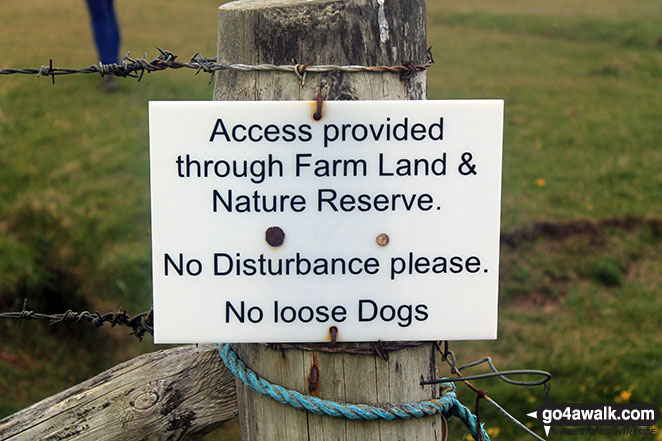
(143, 323)
(136, 68)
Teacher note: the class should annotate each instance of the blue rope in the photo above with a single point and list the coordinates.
(447, 405)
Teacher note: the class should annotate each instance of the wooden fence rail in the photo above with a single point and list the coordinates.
(173, 394)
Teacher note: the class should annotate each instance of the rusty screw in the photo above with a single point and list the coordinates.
(383, 240)
(274, 236)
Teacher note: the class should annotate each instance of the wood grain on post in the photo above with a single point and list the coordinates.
(174, 394)
(360, 32)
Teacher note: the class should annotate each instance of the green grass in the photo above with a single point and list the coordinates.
(580, 113)
(74, 186)
(582, 142)
(585, 308)
(582, 84)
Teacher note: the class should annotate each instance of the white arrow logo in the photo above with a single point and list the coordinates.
(535, 415)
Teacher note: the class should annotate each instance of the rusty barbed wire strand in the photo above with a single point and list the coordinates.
(380, 349)
(141, 324)
(136, 68)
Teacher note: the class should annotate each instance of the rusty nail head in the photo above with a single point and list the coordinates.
(314, 378)
(383, 240)
(318, 114)
(333, 330)
(274, 236)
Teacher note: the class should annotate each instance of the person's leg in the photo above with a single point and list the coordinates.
(105, 29)
(115, 31)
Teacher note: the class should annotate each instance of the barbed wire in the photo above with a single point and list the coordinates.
(136, 68)
(141, 324)
(379, 348)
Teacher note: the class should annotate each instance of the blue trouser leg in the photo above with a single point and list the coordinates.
(105, 29)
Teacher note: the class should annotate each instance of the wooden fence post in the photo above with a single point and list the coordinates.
(362, 32)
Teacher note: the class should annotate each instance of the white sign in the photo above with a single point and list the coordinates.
(424, 176)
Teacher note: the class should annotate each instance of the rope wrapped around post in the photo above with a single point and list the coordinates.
(447, 405)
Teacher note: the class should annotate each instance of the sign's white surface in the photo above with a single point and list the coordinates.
(425, 173)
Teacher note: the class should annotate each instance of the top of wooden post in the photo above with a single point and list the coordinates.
(261, 4)
(357, 32)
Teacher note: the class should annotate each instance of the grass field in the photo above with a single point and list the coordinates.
(581, 270)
